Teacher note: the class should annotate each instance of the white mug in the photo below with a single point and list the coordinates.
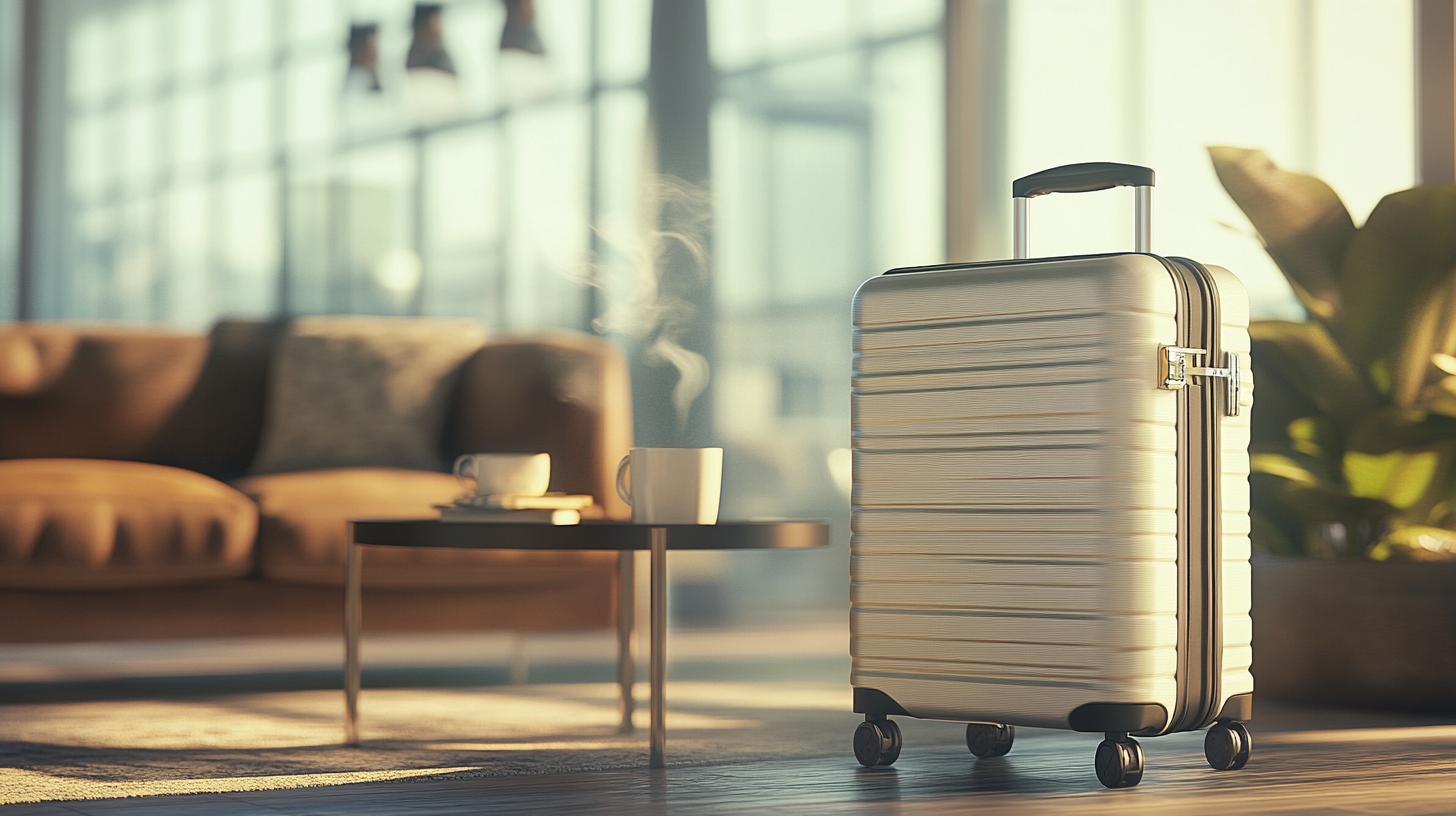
(499, 474)
(672, 485)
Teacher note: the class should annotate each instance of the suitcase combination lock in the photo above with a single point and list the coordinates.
(1174, 371)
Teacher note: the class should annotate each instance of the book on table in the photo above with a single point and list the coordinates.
(551, 508)
(517, 501)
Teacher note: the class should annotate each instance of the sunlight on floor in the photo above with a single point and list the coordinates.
(18, 786)
(53, 662)
(1429, 733)
(293, 739)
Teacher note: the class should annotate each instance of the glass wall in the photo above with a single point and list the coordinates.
(222, 159)
(828, 157)
(1324, 86)
(10, 104)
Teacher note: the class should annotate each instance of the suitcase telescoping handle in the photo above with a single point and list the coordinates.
(1084, 178)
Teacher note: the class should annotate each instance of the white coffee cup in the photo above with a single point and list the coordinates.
(672, 485)
(500, 474)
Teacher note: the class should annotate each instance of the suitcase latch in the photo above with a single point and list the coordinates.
(1174, 371)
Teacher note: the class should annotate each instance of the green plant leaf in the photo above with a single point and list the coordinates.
(1380, 376)
(1306, 357)
(1398, 477)
(1316, 504)
(1439, 397)
(1416, 542)
(1294, 509)
(1404, 456)
(1397, 288)
(1266, 536)
(1273, 526)
(1318, 437)
(1394, 429)
(1429, 334)
(1295, 466)
(1304, 225)
(1277, 403)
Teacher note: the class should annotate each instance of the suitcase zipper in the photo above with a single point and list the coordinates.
(1200, 631)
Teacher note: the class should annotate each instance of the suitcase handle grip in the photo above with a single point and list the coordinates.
(1084, 178)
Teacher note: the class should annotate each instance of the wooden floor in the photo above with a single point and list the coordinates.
(1305, 762)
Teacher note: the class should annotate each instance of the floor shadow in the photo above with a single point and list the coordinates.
(550, 754)
(876, 785)
(208, 685)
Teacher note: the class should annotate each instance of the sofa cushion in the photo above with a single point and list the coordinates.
(91, 392)
(350, 391)
(302, 533)
(215, 429)
(87, 523)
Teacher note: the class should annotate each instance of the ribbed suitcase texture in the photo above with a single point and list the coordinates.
(1015, 550)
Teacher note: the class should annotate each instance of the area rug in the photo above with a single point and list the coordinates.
(99, 750)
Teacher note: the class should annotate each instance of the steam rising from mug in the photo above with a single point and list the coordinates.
(673, 212)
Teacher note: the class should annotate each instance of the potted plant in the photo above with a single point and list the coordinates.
(1353, 451)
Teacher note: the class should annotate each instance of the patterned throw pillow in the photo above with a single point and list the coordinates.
(353, 391)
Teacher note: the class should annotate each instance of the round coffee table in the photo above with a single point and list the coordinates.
(624, 537)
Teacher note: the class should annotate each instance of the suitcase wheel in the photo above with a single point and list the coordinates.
(1119, 761)
(1227, 746)
(989, 739)
(877, 743)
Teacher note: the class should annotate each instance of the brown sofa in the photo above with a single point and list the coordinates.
(127, 510)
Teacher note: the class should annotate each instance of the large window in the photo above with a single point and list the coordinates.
(220, 160)
(10, 129)
(827, 170)
(1324, 86)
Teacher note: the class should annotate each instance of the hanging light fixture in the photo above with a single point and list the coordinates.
(427, 49)
(363, 48)
(519, 33)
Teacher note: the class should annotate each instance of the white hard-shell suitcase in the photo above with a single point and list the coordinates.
(1050, 507)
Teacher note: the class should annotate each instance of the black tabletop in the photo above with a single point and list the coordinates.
(592, 535)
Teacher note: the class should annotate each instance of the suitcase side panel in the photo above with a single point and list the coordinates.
(1236, 586)
(1014, 507)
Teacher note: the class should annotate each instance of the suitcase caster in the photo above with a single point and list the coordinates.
(1227, 746)
(989, 739)
(877, 742)
(1119, 761)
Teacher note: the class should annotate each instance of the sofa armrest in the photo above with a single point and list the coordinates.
(565, 393)
(22, 362)
(91, 391)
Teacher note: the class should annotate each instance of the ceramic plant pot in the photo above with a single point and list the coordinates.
(1356, 633)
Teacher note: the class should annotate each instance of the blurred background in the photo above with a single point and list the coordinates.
(705, 181)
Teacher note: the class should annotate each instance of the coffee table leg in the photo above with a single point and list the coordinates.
(351, 640)
(626, 614)
(657, 656)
